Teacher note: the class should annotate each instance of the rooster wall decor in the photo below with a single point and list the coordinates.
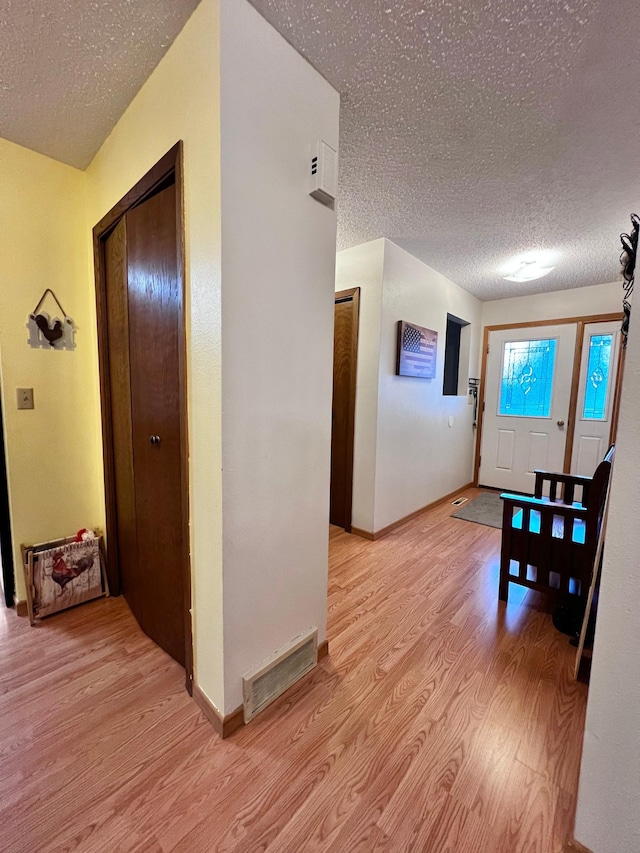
(48, 332)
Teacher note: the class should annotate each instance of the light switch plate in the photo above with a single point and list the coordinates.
(25, 398)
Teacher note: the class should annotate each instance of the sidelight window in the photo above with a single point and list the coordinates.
(597, 379)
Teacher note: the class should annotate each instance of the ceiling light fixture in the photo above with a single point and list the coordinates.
(526, 269)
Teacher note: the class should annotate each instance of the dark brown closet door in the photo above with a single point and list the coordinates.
(154, 317)
(131, 580)
(144, 311)
(345, 349)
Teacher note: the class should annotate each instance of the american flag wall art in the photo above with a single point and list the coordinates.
(417, 350)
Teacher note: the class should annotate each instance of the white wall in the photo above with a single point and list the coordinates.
(608, 817)
(278, 268)
(577, 302)
(362, 266)
(181, 101)
(420, 457)
(406, 455)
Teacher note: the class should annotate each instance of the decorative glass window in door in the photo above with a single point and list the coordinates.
(597, 380)
(527, 378)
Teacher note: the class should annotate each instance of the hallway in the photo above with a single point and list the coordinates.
(437, 723)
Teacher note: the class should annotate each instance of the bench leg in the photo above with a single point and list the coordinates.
(503, 592)
(505, 551)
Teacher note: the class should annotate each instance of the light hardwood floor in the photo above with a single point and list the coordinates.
(440, 722)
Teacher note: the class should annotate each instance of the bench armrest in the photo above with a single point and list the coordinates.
(544, 505)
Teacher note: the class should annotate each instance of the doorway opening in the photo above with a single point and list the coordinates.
(141, 342)
(345, 358)
(550, 394)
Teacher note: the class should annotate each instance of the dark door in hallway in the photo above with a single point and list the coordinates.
(345, 353)
(144, 305)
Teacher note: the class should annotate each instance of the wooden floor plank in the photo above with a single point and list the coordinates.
(441, 721)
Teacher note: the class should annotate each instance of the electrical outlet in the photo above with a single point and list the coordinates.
(25, 398)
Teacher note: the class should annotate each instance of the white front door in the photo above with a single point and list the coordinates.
(596, 388)
(528, 389)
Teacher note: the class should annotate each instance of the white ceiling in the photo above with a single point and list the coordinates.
(474, 130)
(70, 68)
(471, 130)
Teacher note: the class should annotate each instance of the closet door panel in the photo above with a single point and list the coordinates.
(120, 387)
(155, 297)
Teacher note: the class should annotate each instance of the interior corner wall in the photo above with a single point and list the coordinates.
(608, 819)
(278, 267)
(54, 467)
(425, 440)
(181, 101)
(362, 266)
(559, 304)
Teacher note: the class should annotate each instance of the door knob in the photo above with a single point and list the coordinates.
(560, 423)
(154, 439)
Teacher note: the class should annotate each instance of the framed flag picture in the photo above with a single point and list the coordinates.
(417, 350)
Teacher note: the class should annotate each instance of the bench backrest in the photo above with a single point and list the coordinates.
(598, 493)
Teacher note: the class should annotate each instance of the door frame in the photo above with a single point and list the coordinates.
(171, 165)
(580, 323)
(6, 539)
(353, 295)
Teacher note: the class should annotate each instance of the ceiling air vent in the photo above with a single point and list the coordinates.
(287, 666)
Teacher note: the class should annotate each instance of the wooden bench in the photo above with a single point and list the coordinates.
(549, 543)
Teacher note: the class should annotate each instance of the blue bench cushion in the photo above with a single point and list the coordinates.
(579, 530)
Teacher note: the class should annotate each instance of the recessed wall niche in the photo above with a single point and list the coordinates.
(456, 357)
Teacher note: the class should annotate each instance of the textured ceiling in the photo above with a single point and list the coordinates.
(475, 130)
(70, 68)
(471, 130)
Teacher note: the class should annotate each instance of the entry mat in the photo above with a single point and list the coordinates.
(485, 509)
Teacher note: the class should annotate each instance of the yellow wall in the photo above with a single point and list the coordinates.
(181, 101)
(53, 452)
(48, 211)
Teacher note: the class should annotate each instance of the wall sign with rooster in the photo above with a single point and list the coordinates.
(50, 332)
